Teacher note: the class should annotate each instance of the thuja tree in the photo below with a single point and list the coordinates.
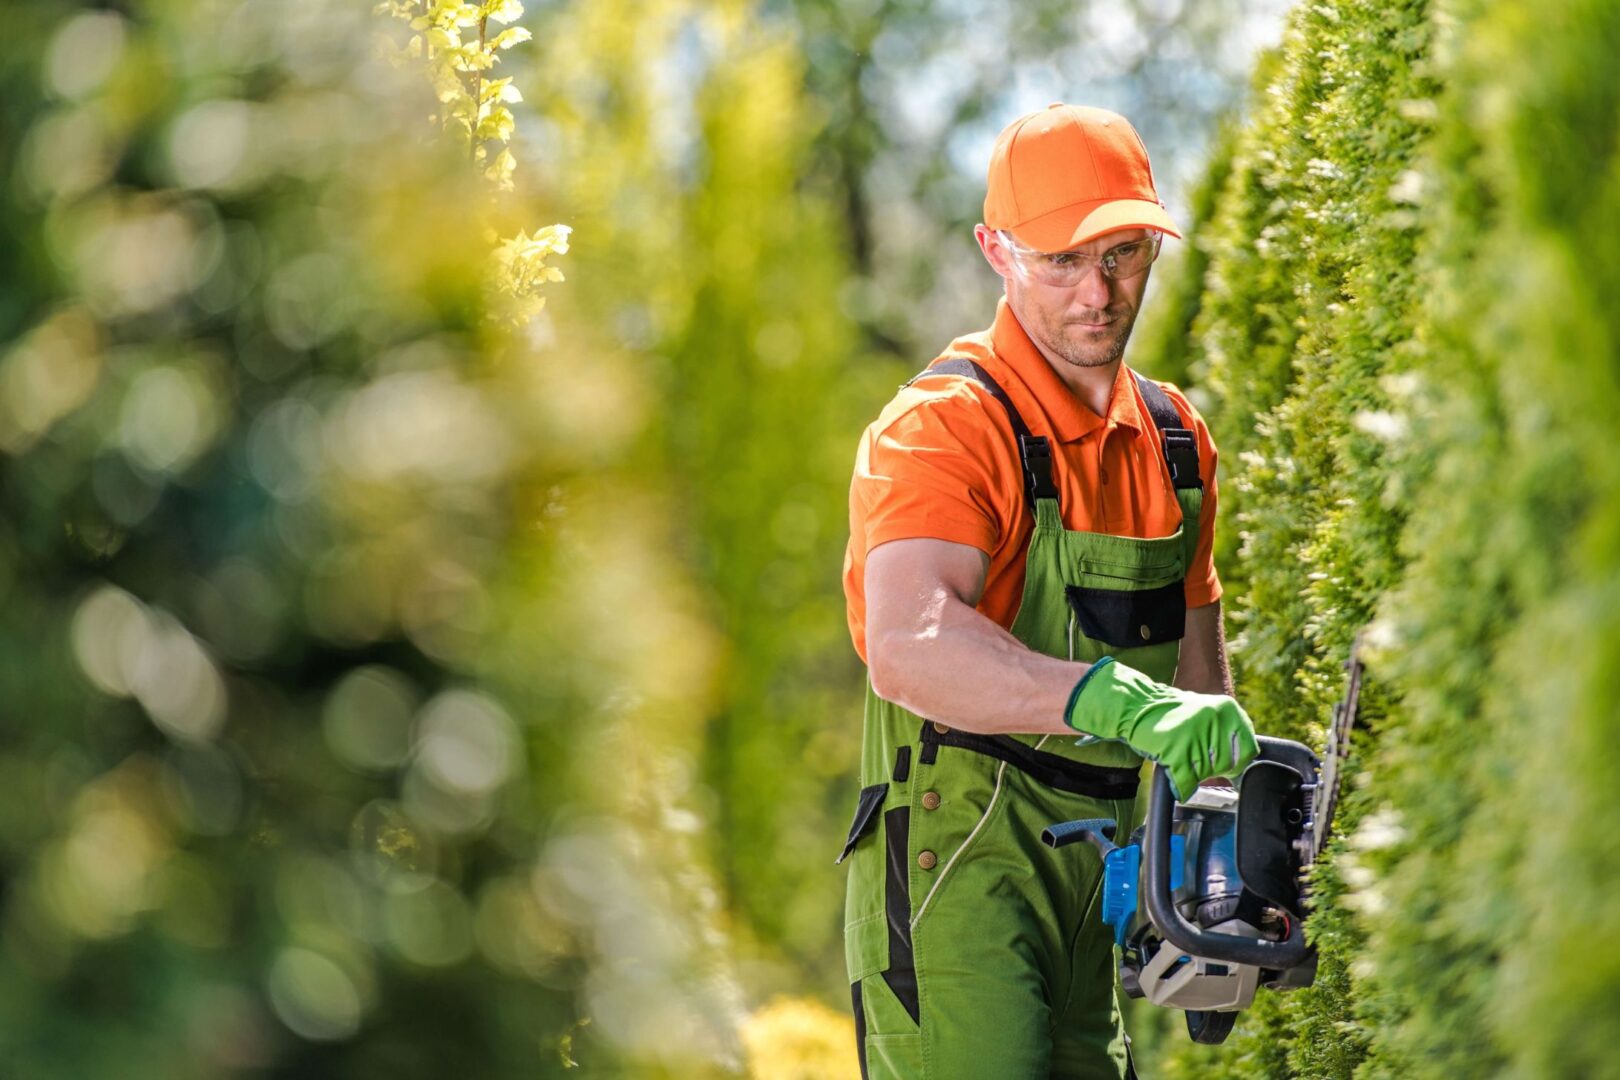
(1493, 948)
(1304, 316)
(1409, 368)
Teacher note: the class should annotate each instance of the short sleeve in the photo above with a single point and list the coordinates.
(930, 471)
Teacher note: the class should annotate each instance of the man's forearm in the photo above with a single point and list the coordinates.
(1203, 668)
(966, 671)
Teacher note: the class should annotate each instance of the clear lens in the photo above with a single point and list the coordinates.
(1066, 268)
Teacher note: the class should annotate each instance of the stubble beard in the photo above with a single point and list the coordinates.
(1087, 354)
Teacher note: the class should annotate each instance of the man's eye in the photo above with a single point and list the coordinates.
(1062, 258)
(1125, 251)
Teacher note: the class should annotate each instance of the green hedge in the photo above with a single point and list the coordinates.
(1409, 361)
(1506, 636)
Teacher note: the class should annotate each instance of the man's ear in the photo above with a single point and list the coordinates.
(994, 251)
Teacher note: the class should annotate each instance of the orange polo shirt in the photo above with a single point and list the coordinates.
(940, 461)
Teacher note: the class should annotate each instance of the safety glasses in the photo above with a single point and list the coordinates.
(1063, 269)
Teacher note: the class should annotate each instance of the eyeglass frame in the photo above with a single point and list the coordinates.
(1020, 254)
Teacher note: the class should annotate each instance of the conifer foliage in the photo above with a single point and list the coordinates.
(1409, 370)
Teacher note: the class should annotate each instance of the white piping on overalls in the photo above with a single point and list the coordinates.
(963, 846)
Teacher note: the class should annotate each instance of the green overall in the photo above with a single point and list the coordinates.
(973, 949)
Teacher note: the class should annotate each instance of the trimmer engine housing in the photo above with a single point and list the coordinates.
(1207, 901)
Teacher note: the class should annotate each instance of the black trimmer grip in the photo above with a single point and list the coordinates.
(1296, 756)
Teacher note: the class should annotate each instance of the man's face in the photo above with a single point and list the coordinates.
(1086, 324)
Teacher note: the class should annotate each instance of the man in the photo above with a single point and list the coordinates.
(1029, 570)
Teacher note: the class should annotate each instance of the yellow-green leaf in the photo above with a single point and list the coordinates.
(498, 125)
(512, 35)
(503, 11)
(499, 90)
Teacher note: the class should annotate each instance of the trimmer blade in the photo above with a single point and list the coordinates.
(1325, 799)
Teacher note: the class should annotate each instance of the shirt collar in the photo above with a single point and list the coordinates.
(1071, 420)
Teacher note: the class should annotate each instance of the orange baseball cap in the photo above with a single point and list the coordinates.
(1068, 174)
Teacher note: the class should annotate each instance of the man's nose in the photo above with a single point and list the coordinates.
(1094, 289)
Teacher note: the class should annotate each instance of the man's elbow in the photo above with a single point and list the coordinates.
(886, 665)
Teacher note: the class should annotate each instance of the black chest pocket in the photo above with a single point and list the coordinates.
(1129, 619)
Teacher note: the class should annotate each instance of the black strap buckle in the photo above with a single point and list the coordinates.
(1181, 454)
(1036, 454)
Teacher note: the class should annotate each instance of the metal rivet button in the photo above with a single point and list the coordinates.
(927, 859)
(941, 728)
(930, 800)
(1146, 633)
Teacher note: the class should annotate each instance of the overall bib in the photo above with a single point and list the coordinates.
(974, 950)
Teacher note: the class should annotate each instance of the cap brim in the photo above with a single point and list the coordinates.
(1082, 222)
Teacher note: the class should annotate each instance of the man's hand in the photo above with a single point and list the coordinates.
(1193, 736)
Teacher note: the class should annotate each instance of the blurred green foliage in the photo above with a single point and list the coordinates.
(353, 689)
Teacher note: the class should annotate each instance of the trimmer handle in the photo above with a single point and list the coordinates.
(1161, 906)
(1099, 831)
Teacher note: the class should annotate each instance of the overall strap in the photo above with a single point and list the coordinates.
(1180, 444)
(1034, 451)
(1181, 455)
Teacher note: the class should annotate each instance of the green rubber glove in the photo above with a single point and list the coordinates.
(1194, 736)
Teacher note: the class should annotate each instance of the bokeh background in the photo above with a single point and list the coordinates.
(424, 438)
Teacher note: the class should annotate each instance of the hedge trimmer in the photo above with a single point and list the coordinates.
(1208, 900)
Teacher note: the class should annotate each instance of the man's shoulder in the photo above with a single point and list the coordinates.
(949, 399)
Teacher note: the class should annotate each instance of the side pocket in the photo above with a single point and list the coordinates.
(894, 1057)
(877, 909)
(1130, 618)
(866, 937)
(866, 810)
